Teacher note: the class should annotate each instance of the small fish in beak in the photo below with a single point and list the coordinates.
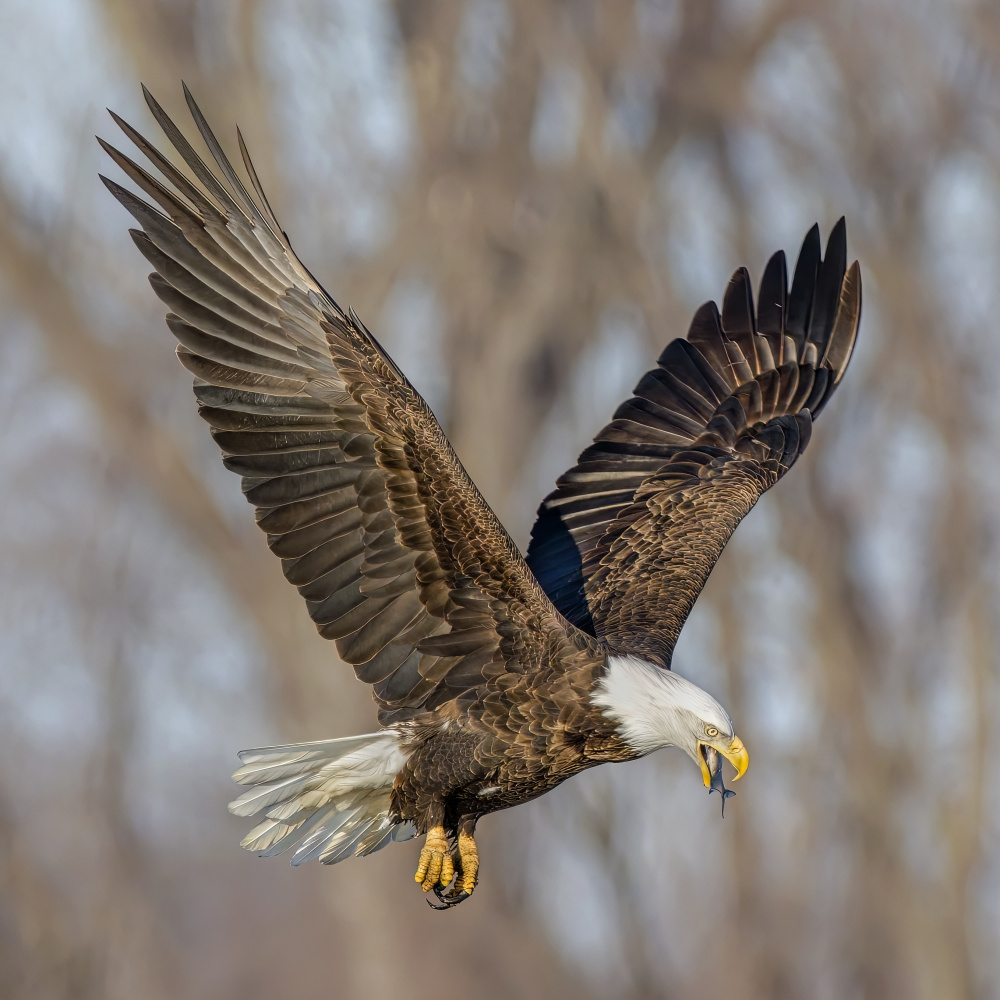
(713, 760)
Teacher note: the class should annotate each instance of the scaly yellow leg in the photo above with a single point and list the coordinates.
(435, 866)
(469, 860)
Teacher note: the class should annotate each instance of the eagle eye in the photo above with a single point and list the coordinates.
(711, 732)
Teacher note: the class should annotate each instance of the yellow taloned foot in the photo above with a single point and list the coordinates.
(435, 866)
(469, 860)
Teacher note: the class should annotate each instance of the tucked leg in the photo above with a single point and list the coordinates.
(435, 865)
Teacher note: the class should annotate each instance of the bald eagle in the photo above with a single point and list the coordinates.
(497, 675)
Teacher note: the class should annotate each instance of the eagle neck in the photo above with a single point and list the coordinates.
(650, 706)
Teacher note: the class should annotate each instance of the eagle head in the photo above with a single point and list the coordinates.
(656, 708)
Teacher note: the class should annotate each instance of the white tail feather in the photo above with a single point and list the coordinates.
(330, 797)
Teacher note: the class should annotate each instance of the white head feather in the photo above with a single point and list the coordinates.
(657, 708)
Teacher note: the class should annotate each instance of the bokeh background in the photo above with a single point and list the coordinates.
(525, 199)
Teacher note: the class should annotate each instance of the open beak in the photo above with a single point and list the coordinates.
(735, 753)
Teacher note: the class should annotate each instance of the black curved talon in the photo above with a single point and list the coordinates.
(448, 900)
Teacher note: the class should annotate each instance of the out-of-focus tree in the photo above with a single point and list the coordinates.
(526, 199)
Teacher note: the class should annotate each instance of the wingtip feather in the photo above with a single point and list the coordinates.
(846, 323)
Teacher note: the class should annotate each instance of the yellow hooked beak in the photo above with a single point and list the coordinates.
(735, 753)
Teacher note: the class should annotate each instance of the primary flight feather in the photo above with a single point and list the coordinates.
(497, 676)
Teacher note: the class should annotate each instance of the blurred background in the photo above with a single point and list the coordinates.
(525, 199)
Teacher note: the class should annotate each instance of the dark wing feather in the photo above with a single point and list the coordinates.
(626, 541)
(398, 557)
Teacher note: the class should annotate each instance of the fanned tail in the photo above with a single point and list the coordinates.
(331, 797)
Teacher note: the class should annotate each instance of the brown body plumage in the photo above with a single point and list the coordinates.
(484, 664)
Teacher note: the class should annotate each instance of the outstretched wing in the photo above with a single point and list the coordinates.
(627, 540)
(398, 557)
